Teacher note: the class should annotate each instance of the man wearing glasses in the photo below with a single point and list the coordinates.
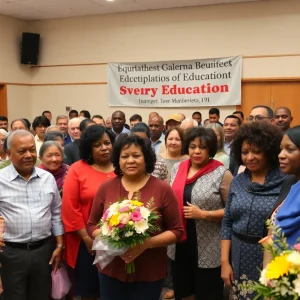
(261, 113)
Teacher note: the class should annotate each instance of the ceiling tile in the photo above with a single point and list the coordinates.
(47, 9)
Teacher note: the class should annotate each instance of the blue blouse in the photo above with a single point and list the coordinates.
(288, 215)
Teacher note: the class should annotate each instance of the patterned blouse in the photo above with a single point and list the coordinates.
(209, 193)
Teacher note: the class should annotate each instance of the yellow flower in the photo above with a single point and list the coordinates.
(136, 203)
(278, 267)
(114, 220)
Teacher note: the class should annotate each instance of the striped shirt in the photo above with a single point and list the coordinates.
(31, 209)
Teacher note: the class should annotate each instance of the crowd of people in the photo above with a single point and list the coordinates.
(214, 186)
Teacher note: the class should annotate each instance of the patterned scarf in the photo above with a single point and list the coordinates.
(59, 174)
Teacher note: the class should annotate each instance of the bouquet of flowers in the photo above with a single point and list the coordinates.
(280, 280)
(124, 224)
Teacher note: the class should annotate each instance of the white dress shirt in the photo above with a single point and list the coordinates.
(31, 209)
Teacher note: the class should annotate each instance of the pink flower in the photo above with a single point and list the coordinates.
(124, 218)
(297, 247)
(136, 216)
(124, 209)
(137, 208)
(105, 215)
(121, 225)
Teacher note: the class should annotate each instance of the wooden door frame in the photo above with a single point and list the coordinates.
(3, 100)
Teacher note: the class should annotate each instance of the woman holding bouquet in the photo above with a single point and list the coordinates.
(251, 199)
(201, 185)
(81, 184)
(134, 160)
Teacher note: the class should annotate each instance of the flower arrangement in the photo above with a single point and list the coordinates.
(280, 279)
(124, 224)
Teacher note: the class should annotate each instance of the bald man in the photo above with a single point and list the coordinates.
(188, 123)
(283, 118)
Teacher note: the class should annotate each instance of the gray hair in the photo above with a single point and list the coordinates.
(219, 129)
(52, 127)
(61, 117)
(3, 132)
(48, 144)
(21, 120)
(19, 132)
(187, 122)
(53, 136)
(79, 119)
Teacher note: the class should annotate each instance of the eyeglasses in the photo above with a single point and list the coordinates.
(256, 118)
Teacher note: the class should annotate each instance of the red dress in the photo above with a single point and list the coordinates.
(80, 187)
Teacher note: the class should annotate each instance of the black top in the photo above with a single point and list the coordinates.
(187, 251)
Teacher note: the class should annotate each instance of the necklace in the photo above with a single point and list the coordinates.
(102, 169)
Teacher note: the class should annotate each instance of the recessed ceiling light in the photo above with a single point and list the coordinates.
(110, 0)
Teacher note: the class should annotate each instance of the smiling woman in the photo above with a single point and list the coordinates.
(81, 184)
(252, 197)
(134, 159)
(51, 156)
(201, 185)
(287, 215)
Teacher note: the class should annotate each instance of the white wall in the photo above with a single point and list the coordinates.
(254, 28)
(11, 71)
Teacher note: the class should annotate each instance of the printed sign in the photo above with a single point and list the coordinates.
(205, 82)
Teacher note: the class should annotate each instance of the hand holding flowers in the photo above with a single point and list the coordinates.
(132, 253)
(124, 229)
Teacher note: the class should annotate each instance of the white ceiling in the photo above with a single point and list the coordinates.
(50, 9)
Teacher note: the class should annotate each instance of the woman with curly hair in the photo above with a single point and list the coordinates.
(81, 185)
(252, 196)
(134, 161)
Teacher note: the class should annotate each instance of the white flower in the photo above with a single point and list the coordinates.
(263, 279)
(114, 208)
(294, 258)
(114, 235)
(296, 283)
(141, 226)
(105, 229)
(145, 212)
(283, 290)
(129, 233)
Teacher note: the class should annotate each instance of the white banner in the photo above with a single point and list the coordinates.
(205, 82)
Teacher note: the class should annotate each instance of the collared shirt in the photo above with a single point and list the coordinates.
(38, 143)
(227, 146)
(156, 145)
(31, 209)
(124, 130)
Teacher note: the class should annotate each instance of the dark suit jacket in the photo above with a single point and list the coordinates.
(71, 153)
